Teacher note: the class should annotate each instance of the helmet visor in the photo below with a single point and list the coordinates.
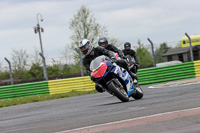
(127, 47)
(84, 49)
(102, 44)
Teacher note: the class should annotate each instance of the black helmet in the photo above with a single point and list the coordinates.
(127, 44)
(103, 40)
(86, 46)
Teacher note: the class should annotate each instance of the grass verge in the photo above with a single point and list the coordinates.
(24, 100)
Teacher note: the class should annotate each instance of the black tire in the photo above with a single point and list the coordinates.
(120, 93)
(138, 94)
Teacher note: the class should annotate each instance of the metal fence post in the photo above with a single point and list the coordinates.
(45, 68)
(11, 77)
(154, 61)
(81, 65)
(191, 52)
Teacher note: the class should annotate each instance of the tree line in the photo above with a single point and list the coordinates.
(23, 69)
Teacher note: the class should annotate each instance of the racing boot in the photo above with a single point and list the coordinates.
(136, 79)
(99, 88)
(133, 76)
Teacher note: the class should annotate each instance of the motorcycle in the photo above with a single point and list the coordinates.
(114, 79)
(131, 64)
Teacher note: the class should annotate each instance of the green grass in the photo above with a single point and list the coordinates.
(24, 100)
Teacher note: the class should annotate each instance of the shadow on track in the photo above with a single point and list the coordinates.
(114, 103)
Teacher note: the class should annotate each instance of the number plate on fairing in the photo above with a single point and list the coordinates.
(127, 79)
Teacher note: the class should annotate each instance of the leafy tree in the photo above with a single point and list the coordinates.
(1, 68)
(76, 68)
(145, 58)
(73, 68)
(159, 52)
(36, 71)
(84, 26)
(4, 74)
(54, 70)
(66, 69)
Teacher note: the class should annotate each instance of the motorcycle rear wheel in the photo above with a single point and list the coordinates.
(119, 92)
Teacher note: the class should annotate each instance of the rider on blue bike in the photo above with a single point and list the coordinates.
(91, 52)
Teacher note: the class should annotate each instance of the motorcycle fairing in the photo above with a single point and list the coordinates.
(101, 69)
(99, 74)
(126, 77)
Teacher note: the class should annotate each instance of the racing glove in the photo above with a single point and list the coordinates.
(113, 59)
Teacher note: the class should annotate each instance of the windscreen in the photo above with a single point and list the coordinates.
(96, 62)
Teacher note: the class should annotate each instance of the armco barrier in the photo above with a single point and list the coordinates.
(197, 68)
(22, 90)
(166, 73)
(47, 87)
(67, 85)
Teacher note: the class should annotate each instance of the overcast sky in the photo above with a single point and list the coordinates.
(127, 20)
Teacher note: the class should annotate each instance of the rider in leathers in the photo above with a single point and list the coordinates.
(128, 51)
(91, 52)
(103, 42)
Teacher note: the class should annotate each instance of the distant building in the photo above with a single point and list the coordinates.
(182, 54)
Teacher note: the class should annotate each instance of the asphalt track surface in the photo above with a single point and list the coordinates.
(89, 111)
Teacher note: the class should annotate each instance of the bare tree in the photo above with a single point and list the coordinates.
(65, 55)
(19, 59)
(36, 58)
(115, 42)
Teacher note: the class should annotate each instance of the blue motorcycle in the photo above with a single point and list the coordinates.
(115, 79)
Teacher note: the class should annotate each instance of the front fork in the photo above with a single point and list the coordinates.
(117, 83)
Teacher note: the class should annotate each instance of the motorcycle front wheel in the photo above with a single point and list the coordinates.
(119, 92)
